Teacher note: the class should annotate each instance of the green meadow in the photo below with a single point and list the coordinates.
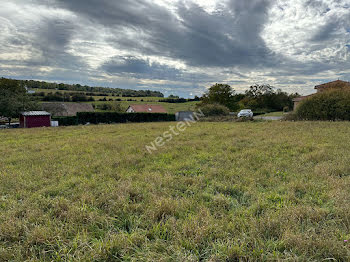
(171, 108)
(254, 191)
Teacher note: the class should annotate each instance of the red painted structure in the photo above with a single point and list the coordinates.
(35, 119)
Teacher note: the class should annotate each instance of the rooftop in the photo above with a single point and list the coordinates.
(333, 84)
(35, 113)
(66, 109)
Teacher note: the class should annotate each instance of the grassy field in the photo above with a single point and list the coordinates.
(171, 108)
(257, 191)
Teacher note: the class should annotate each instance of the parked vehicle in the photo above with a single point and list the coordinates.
(245, 113)
(13, 125)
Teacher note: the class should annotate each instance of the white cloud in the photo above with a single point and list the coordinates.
(293, 24)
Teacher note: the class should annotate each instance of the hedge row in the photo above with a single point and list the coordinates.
(329, 105)
(111, 117)
(66, 120)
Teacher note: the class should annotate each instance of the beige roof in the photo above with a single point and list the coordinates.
(334, 84)
(67, 109)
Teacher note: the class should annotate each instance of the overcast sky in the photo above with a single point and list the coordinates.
(177, 46)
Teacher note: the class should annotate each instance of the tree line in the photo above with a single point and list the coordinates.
(62, 97)
(32, 84)
(179, 100)
(257, 97)
(78, 97)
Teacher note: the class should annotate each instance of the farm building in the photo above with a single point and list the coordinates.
(321, 88)
(66, 109)
(35, 119)
(146, 109)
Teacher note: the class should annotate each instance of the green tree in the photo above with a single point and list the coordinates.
(221, 94)
(257, 91)
(117, 107)
(264, 97)
(14, 99)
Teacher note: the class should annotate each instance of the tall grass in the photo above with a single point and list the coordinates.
(218, 192)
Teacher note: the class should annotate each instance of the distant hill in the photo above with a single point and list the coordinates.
(117, 91)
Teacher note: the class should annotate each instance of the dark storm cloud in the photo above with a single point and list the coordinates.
(326, 32)
(136, 13)
(220, 39)
(300, 69)
(53, 36)
(227, 38)
(140, 68)
(144, 69)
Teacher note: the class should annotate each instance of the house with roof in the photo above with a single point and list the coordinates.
(146, 109)
(339, 84)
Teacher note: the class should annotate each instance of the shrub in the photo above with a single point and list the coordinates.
(104, 107)
(117, 107)
(214, 110)
(113, 107)
(330, 105)
(79, 98)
